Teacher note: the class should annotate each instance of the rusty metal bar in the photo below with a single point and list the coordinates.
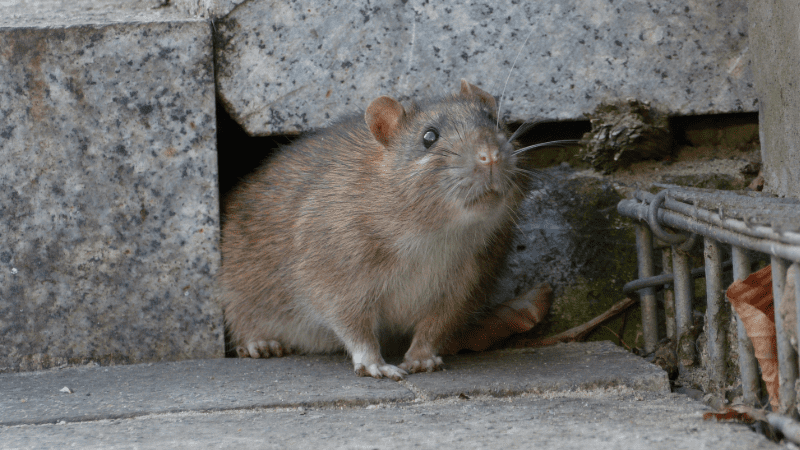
(746, 221)
(647, 296)
(684, 294)
(717, 312)
(794, 269)
(748, 365)
(669, 297)
(632, 208)
(787, 358)
(683, 291)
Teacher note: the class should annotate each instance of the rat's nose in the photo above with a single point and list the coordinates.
(488, 156)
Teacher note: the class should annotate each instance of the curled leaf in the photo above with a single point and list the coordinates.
(753, 302)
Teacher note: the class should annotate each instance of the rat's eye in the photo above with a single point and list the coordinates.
(429, 138)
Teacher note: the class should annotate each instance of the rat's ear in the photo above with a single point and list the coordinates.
(383, 117)
(470, 90)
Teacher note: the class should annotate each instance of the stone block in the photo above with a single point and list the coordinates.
(286, 67)
(775, 45)
(109, 221)
(199, 385)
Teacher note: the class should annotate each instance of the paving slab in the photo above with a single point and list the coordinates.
(97, 392)
(109, 207)
(580, 420)
(285, 67)
(563, 367)
(199, 385)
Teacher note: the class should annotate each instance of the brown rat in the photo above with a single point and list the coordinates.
(394, 222)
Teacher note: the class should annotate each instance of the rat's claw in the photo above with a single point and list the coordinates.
(260, 349)
(426, 365)
(376, 371)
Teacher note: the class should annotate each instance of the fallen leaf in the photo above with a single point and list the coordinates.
(753, 302)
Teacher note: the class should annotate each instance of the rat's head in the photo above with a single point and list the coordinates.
(452, 153)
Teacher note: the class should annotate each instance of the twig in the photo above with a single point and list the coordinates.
(618, 337)
(579, 332)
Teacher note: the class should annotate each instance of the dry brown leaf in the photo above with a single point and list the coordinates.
(729, 415)
(753, 302)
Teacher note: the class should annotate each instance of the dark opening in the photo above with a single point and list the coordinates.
(720, 130)
(238, 153)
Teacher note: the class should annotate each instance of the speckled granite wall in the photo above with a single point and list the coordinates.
(775, 44)
(286, 66)
(108, 198)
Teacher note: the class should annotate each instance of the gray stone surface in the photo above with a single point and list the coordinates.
(775, 46)
(284, 67)
(109, 208)
(563, 367)
(199, 385)
(580, 421)
(205, 8)
(317, 402)
(309, 381)
(62, 13)
(86, 12)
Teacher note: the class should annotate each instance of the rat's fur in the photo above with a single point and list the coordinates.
(359, 232)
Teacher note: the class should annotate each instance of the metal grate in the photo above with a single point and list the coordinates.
(743, 220)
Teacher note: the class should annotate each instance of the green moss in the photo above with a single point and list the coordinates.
(587, 297)
(610, 264)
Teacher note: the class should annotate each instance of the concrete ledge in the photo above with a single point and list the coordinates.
(563, 367)
(593, 421)
(201, 385)
(309, 381)
(317, 402)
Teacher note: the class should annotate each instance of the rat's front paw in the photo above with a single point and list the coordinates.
(380, 371)
(260, 349)
(422, 365)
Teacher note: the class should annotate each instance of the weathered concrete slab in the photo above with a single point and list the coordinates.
(587, 421)
(285, 67)
(775, 46)
(588, 365)
(109, 207)
(200, 385)
(309, 381)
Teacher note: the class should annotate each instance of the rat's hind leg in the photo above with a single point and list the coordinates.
(429, 336)
(258, 329)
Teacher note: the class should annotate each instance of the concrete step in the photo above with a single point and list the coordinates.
(310, 381)
(590, 395)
